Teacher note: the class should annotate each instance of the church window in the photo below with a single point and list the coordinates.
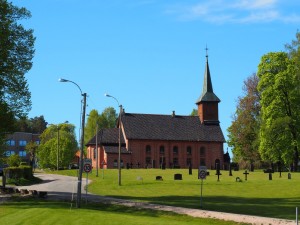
(115, 163)
(175, 161)
(162, 149)
(189, 150)
(148, 149)
(175, 150)
(202, 162)
(188, 161)
(202, 152)
(94, 153)
(148, 161)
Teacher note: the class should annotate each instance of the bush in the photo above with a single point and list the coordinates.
(17, 173)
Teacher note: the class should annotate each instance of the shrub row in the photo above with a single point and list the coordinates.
(19, 172)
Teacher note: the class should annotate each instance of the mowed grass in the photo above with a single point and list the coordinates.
(38, 212)
(258, 195)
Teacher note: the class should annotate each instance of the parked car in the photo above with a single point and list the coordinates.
(2, 169)
(73, 166)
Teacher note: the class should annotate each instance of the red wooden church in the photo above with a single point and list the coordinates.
(171, 141)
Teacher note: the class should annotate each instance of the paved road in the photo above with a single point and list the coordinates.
(65, 187)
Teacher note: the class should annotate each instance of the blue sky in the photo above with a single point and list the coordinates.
(149, 54)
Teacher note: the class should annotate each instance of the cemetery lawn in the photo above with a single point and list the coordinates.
(277, 198)
(42, 212)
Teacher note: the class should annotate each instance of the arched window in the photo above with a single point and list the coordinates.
(115, 163)
(175, 150)
(94, 153)
(202, 152)
(162, 149)
(189, 150)
(148, 149)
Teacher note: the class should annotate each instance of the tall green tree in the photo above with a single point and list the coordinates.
(31, 149)
(244, 130)
(16, 53)
(280, 108)
(57, 141)
(34, 125)
(107, 119)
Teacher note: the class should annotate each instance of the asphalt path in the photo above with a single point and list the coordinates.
(65, 187)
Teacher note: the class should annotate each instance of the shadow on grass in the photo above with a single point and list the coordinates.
(22, 203)
(267, 207)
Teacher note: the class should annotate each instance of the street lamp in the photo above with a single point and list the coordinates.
(119, 160)
(78, 201)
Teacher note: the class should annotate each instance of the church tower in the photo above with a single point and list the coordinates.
(208, 101)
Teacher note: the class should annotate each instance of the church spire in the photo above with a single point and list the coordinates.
(207, 90)
(208, 101)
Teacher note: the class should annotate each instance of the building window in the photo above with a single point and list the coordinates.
(175, 150)
(94, 153)
(189, 150)
(202, 152)
(188, 161)
(22, 143)
(11, 142)
(202, 162)
(175, 162)
(148, 161)
(38, 142)
(22, 153)
(115, 163)
(162, 149)
(9, 152)
(148, 149)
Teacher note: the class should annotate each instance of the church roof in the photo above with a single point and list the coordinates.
(160, 127)
(208, 94)
(108, 137)
(169, 127)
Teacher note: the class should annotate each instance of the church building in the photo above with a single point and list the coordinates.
(164, 141)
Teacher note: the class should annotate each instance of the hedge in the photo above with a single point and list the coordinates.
(19, 172)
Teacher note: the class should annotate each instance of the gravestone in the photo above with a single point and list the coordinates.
(218, 173)
(178, 176)
(246, 173)
(159, 178)
(190, 169)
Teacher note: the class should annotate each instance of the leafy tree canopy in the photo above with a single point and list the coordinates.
(244, 130)
(57, 141)
(16, 53)
(107, 119)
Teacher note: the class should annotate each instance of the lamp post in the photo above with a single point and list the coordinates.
(78, 200)
(119, 158)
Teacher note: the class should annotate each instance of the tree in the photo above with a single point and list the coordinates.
(280, 108)
(31, 149)
(57, 141)
(34, 125)
(13, 160)
(244, 130)
(107, 119)
(16, 53)
(194, 112)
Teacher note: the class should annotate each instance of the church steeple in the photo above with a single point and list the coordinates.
(208, 101)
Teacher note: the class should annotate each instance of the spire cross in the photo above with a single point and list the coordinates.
(206, 49)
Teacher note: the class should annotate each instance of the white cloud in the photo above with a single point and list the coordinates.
(234, 11)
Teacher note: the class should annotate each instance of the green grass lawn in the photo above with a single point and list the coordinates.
(257, 196)
(38, 212)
